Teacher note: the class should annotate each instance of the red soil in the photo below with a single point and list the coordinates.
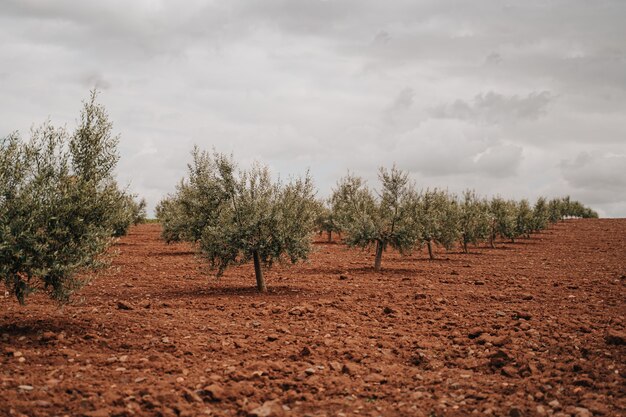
(530, 328)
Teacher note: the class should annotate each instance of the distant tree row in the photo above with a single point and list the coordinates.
(235, 216)
(399, 216)
(60, 206)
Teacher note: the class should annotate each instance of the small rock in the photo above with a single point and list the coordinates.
(213, 392)
(268, 409)
(527, 297)
(123, 306)
(555, 404)
(21, 359)
(305, 351)
(191, 396)
(515, 412)
(615, 337)
(478, 282)
(500, 341)
(17, 354)
(419, 359)
(309, 371)
(499, 359)
(343, 277)
(272, 337)
(48, 336)
(140, 379)
(475, 332)
(388, 311)
(375, 378)
(583, 382)
(522, 315)
(509, 371)
(582, 412)
(296, 311)
(541, 410)
(420, 296)
(42, 403)
(350, 369)
(25, 387)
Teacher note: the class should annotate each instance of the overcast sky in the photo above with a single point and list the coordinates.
(517, 98)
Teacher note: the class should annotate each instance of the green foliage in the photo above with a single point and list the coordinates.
(437, 215)
(389, 218)
(541, 215)
(169, 212)
(474, 219)
(503, 219)
(561, 208)
(235, 216)
(132, 212)
(326, 219)
(58, 202)
(524, 219)
(555, 210)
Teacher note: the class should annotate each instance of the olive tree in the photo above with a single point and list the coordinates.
(503, 219)
(234, 216)
(524, 219)
(58, 203)
(555, 210)
(326, 219)
(474, 219)
(132, 212)
(437, 216)
(540, 215)
(387, 218)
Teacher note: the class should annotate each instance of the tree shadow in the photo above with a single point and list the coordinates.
(31, 327)
(231, 291)
(178, 253)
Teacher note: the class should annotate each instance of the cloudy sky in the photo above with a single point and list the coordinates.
(518, 98)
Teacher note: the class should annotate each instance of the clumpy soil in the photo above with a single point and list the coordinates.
(534, 327)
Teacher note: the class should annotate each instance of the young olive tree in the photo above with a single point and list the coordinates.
(540, 215)
(555, 210)
(132, 212)
(326, 219)
(503, 219)
(524, 219)
(385, 219)
(437, 215)
(237, 216)
(474, 219)
(58, 203)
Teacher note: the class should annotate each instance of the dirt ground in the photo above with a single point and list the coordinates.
(530, 328)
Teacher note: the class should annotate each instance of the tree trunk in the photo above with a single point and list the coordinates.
(260, 281)
(330, 236)
(465, 246)
(430, 249)
(492, 241)
(379, 255)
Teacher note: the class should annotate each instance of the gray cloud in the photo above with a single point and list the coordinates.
(496, 108)
(596, 170)
(487, 95)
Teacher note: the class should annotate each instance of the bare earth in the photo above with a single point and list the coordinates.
(531, 328)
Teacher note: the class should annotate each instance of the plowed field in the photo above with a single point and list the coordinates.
(534, 327)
